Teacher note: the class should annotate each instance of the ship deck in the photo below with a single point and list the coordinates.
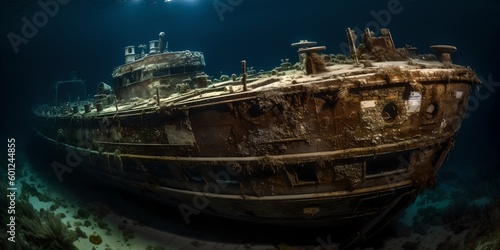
(337, 76)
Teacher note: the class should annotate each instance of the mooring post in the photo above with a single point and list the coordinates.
(158, 95)
(116, 103)
(351, 38)
(244, 74)
(444, 52)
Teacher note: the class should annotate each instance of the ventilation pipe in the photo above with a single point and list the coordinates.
(129, 54)
(153, 47)
(160, 41)
(444, 52)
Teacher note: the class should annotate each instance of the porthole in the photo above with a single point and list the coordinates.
(431, 111)
(389, 112)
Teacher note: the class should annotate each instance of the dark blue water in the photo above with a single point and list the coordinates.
(40, 47)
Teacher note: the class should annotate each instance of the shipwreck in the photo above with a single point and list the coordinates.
(330, 140)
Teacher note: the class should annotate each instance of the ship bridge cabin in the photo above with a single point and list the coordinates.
(161, 71)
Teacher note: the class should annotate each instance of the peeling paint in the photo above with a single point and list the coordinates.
(311, 148)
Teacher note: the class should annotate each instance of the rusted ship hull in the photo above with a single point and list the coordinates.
(329, 141)
(318, 153)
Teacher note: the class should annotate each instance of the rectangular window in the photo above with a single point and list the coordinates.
(386, 164)
(304, 173)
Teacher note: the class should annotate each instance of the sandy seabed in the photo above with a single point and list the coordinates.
(459, 213)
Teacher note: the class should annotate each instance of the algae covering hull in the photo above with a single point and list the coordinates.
(347, 144)
(313, 152)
